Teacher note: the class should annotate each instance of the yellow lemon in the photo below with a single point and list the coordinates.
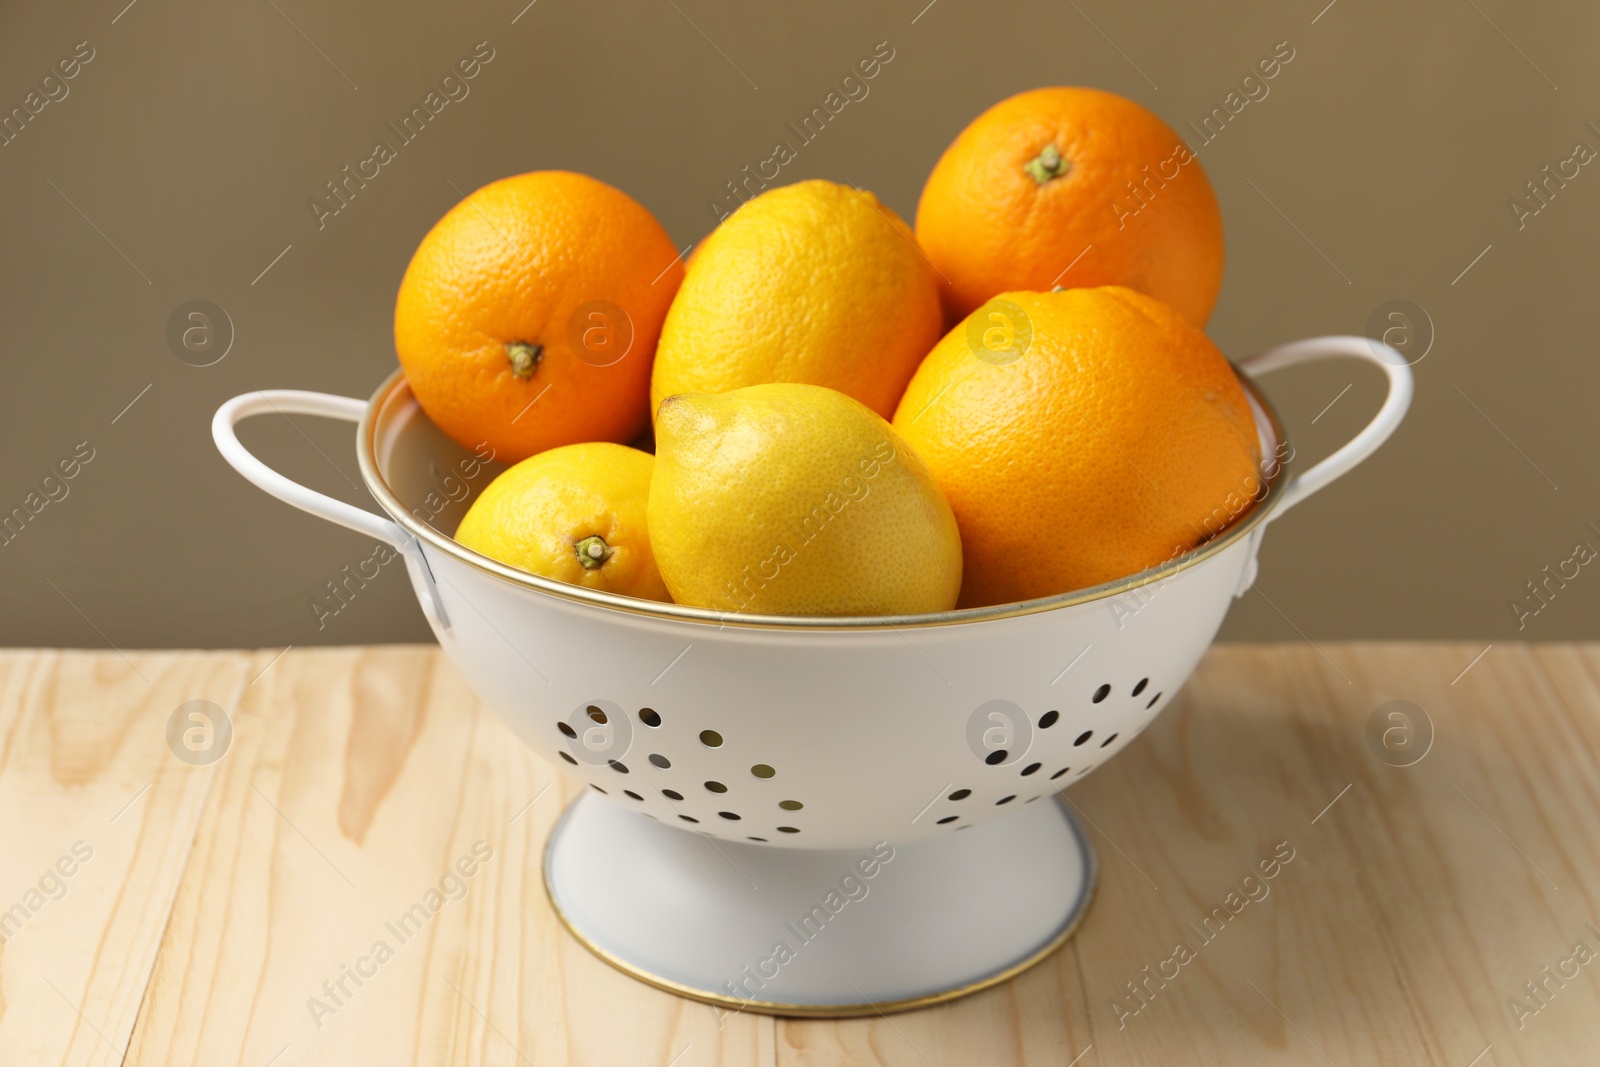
(575, 514)
(791, 499)
(813, 282)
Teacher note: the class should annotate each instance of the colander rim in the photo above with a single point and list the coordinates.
(386, 395)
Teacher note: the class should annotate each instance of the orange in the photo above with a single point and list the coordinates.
(1072, 187)
(1080, 436)
(814, 283)
(529, 315)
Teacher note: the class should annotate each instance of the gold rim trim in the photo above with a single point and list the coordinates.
(1091, 878)
(388, 393)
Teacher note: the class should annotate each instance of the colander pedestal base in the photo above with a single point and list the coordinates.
(820, 932)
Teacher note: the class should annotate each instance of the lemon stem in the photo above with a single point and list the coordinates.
(593, 552)
(524, 358)
(1047, 164)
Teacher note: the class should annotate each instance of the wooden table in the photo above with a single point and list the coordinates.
(206, 904)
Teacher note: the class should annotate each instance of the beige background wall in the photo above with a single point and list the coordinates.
(181, 161)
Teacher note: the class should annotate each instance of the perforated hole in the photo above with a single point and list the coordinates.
(1005, 800)
(960, 794)
(1152, 702)
(1108, 740)
(1083, 738)
(710, 739)
(716, 787)
(788, 829)
(568, 757)
(997, 756)
(1031, 769)
(790, 805)
(649, 717)
(632, 794)
(688, 818)
(596, 714)
(597, 788)
(1101, 693)
(1059, 773)
(761, 770)
(1140, 687)
(1048, 719)
(761, 839)
(660, 761)
(568, 730)
(618, 766)
(728, 815)
(672, 794)
(948, 819)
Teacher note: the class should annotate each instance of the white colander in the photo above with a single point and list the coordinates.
(802, 815)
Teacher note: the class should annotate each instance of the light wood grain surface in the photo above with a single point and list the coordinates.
(215, 900)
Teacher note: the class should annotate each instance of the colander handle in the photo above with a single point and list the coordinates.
(300, 402)
(1375, 433)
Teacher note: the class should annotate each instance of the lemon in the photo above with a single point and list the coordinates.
(575, 514)
(814, 282)
(791, 499)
